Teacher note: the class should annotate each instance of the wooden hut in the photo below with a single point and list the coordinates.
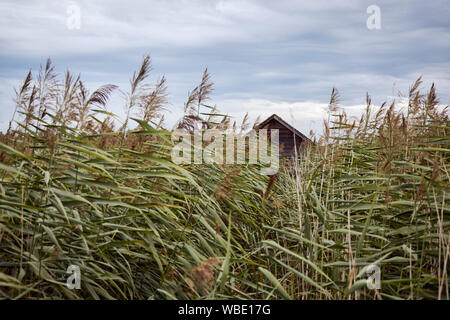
(288, 135)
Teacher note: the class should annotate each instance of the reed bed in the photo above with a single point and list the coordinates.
(75, 190)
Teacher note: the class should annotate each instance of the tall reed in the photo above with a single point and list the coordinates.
(74, 190)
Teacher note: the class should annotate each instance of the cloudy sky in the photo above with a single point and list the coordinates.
(265, 56)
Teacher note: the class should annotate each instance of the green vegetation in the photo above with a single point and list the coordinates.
(76, 191)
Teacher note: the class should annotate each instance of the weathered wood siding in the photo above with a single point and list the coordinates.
(286, 137)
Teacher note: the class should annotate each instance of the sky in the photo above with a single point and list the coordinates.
(264, 56)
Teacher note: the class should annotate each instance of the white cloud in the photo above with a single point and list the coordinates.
(303, 115)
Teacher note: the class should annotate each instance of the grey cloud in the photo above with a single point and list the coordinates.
(275, 51)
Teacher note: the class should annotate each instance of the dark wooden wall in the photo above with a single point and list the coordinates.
(286, 138)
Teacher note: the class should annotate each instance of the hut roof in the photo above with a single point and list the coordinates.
(285, 124)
